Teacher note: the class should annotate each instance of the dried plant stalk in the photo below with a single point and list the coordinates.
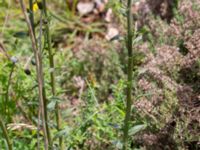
(39, 70)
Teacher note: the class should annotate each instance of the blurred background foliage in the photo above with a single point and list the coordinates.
(90, 68)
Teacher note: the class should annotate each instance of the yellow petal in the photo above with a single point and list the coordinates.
(35, 7)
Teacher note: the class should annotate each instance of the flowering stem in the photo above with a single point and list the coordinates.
(130, 74)
(52, 74)
(40, 77)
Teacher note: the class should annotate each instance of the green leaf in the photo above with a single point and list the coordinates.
(51, 105)
(118, 144)
(137, 39)
(61, 133)
(137, 129)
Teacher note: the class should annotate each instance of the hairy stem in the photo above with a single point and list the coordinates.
(5, 133)
(52, 74)
(130, 74)
(40, 78)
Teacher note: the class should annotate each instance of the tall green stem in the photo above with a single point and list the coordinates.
(51, 63)
(5, 133)
(130, 74)
(40, 78)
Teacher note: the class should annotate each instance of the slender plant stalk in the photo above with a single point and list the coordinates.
(39, 110)
(67, 6)
(39, 70)
(52, 74)
(31, 15)
(2, 49)
(130, 74)
(5, 133)
(7, 90)
(74, 6)
(38, 128)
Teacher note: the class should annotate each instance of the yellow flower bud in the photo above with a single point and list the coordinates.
(35, 7)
